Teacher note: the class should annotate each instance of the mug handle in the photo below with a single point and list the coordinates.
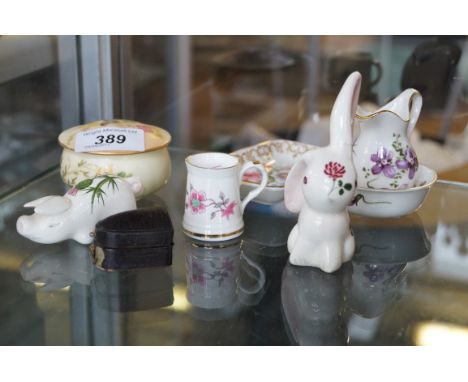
(248, 295)
(254, 193)
(379, 72)
(416, 105)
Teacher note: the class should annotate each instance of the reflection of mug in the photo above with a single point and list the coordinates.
(341, 66)
(213, 208)
(219, 276)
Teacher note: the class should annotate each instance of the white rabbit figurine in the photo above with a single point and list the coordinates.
(320, 186)
(74, 215)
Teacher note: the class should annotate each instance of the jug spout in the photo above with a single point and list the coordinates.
(344, 109)
(401, 105)
(406, 106)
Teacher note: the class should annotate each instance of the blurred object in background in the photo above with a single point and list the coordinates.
(315, 130)
(148, 76)
(430, 69)
(29, 108)
(256, 84)
(342, 65)
(442, 157)
(221, 92)
(250, 134)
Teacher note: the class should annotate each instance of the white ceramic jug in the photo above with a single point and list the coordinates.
(382, 152)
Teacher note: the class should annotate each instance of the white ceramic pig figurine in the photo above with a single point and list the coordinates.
(320, 186)
(74, 215)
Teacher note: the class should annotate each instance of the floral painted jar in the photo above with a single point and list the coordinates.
(143, 153)
(382, 152)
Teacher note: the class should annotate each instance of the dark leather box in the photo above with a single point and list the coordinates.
(134, 239)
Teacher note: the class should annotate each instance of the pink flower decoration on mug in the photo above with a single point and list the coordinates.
(196, 200)
(229, 210)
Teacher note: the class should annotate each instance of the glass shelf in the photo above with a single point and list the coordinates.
(407, 283)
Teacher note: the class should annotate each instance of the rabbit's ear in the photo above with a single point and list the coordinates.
(293, 196)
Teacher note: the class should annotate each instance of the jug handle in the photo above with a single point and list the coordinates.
(416, 105)
(254, 193)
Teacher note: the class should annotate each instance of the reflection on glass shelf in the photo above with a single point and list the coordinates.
(450, 252)
(440, 334)
(29, 108)
(51, 294)
(180, 304)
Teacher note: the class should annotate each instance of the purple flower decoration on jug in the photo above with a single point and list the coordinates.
(383, 162)
(410, 162)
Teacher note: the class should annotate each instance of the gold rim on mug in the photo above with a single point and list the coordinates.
(213, 245)
(217, 236)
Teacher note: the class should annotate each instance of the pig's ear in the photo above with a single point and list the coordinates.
(135, 184)
(36, 202)
(50, 205)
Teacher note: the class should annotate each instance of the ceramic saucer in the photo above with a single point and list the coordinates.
(278, 156)
(387, 203)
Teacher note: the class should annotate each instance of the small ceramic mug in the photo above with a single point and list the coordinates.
(213, 208)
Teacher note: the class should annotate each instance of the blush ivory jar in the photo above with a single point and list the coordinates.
(152, 165)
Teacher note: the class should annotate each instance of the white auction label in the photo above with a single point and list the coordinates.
(110, 139)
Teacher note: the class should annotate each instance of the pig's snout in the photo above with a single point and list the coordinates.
(22, 225)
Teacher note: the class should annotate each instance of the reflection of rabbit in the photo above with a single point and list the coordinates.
(313, 304)
(325, 179)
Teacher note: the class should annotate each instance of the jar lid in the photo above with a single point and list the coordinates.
(155, 137)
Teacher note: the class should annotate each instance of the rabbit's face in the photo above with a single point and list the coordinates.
(323, 179)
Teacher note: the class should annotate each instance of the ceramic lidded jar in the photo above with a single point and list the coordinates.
(382, 152)
(152, 164)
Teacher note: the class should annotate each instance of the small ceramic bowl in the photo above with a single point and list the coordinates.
(382, 203)
(277, 156)
(152, 165)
